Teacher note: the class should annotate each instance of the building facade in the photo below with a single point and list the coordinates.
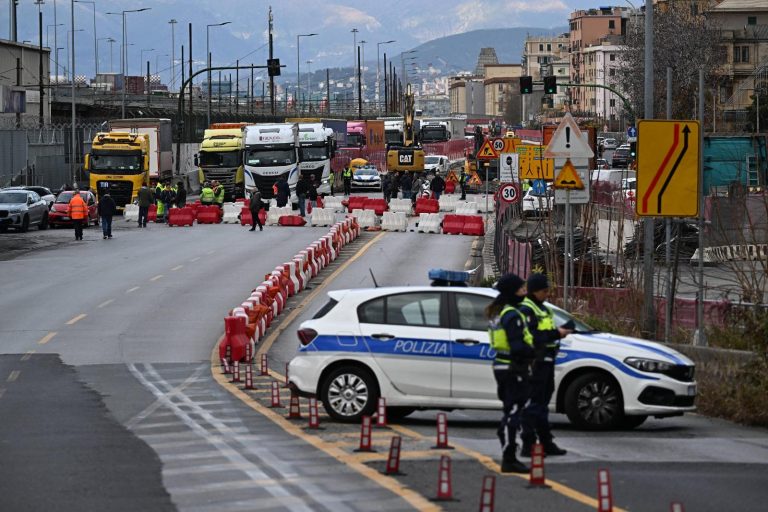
(20, 83)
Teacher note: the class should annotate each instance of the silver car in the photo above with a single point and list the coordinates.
(20, 209)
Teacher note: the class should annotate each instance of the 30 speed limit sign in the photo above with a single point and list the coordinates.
(509, 193)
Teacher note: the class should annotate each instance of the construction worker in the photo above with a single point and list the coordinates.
(218, 193)
(78, 212)
(463, 184)
(526, 186)
(346, 175)
(206, 195)
(331, 180)
(159, 202)
(513, 343)
(546, 342)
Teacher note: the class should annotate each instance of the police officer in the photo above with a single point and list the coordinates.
(206, 195)
(546, 341)
(513, 343)
(463, 184)
(347, 177)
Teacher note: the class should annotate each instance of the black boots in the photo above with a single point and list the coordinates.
(510, 464)
(550, 448)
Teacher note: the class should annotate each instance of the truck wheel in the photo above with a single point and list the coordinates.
(349, 393)
(593, 401)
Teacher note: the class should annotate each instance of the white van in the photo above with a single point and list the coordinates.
(612, 176)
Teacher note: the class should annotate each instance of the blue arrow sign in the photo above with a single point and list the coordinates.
(631, 131)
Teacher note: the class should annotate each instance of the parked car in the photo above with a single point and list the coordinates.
(59, 214)
(367, 177)
(602, 163)
(20, 209)
(621, 158)
(610, 144)
(44, 193)
(428, 348)
(536, 204)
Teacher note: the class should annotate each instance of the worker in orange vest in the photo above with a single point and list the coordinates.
(78, 212)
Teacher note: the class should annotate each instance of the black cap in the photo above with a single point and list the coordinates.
(508, 285)
(537, 282)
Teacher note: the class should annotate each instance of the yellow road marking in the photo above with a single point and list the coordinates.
(106, 303)
(45, 339)
(178, 267)
(77, 319)
(159, 276)
(13, 376)
(26, 356)
(131, 290)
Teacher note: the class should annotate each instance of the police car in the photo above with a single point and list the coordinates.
(428, 348)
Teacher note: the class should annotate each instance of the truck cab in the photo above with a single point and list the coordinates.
(434, 131)
(356, 134)
(221, 157)
(393, 131)
(317, 147)
(271, 153)
(118, 164)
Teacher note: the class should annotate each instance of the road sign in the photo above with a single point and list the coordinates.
(475, 179)
(509, 193)
(631, 132)
(452, 176)
(508, 170)
(487, 152)
(539, 187)
(510, 143)
(668, 156)
(532, 163)
(576, 196)
(498, 145)
(568, 178)
(568, 142)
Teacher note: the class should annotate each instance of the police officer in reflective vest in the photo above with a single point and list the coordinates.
(206, 195)
(463, 184)
(513, 343)
(546, 342)
(347, 177)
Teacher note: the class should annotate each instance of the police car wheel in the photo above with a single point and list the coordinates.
(349, 393)
(593, 401)
(630, 422)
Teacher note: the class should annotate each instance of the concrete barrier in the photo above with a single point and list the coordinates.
(232, 213)
(394, 221)
(466, 208)
(366, 218)
(322, 217)
(274, 214)
(401, 205)
(131, 212)
(429, 223)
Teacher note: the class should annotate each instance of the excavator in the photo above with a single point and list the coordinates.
(410, 155)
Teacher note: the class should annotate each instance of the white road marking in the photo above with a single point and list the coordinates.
(26, 356)
(178, 267)
(45, 339)
(131, 290)
(106, 303)
(159, 276)
(77, 319)
(13, 376)
(195, 259)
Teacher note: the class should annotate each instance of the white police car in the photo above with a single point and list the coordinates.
(427, 348)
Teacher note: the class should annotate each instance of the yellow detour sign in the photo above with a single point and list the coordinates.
(510, 144)
(668, 156)
(568, 178)
(487, 152)
(475, 179)
(533, 165)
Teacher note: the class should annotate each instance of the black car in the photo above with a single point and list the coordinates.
(621, 159)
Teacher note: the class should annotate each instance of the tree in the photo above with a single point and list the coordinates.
(685, 42)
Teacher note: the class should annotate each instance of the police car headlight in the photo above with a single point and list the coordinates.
(648, 365)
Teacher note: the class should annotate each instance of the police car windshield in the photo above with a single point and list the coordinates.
(562, 317)
(367, 172)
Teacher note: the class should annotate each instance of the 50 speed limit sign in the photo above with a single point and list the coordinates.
(509, 193)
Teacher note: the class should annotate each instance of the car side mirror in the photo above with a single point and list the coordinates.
(29, 201)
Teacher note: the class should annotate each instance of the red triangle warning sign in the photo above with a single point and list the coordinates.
(568, 178)
(475, 180)
(487, 152)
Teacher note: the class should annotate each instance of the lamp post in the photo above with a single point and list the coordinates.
(141, 58)
(354, 62)
(48, 32)
(298, 62)
(124, 52)
(70, 45)
(157, 56)
(402, 63)
(172, 81)
(111, 42)
(378, 63)
(95, 42)
(55, 50)
(309, 84)
(208, 60)
(362, 68)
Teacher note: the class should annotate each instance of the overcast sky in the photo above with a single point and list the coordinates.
(409, 22)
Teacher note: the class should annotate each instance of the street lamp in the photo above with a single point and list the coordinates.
(95, 43)
(309, 84)
(172, 81)
(124, 51)
(298, 62)
(208, 60)
(354, 62)
(362, 68)
(70, 44)
(48, 33)
(141, 59)
(55, 50)
(378, 62)
(157, 56)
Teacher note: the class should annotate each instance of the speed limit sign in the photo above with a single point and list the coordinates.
(498, 145)
(509, 193)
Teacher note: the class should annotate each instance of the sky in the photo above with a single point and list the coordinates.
(408, 22)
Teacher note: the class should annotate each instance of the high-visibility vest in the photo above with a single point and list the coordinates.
(498, 335)
(347, 173)
(206, 195)
(545, 318)
(77, 208)
(218, 192)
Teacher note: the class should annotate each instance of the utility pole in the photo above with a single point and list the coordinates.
(12, 21)
(72, 156)
(191, 119)
(355, 59)
(271, 56)
(328, 88)
(359, 87)
(649, 317)
(41, 90)
(237, 87)
(386, 87)
(173, 23)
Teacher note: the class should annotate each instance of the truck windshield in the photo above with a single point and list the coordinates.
(438, 133)
(312, 154)
(270, 157)
(122, 164)
(220, 159)
(393, 136)
(355, 140)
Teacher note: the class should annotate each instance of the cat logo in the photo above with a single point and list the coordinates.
(405, 158)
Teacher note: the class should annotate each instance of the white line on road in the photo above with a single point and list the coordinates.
(159, 276)
(77, 319)
(178, 267)
(45, 339)
(195, 259)
(13, 376)
(133, 289)
(106, 303)
(26, 356)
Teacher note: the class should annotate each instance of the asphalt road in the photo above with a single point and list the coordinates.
(107, 398)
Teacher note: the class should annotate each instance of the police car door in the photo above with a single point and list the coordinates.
(471, 372)
(408, 336)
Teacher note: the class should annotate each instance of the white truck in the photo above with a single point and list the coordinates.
(160, 134)
(393, 130)
(271, 153)
(317, 146)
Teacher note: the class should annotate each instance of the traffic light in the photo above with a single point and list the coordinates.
(633, 149)
(526, 84)
(550, 85)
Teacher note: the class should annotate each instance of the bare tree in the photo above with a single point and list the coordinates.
(684, 41)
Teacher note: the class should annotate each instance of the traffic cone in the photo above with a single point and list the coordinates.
(536, 478)
(249, 376)
(444, 487)
(442, 433)
(393, 459)
(381, 412)
(236, 373)
(487, 495)
(676, 507)
(314, 418)
(275, 395)
(264, 365)
(294, 410)
(604, 496)
(365, 436)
